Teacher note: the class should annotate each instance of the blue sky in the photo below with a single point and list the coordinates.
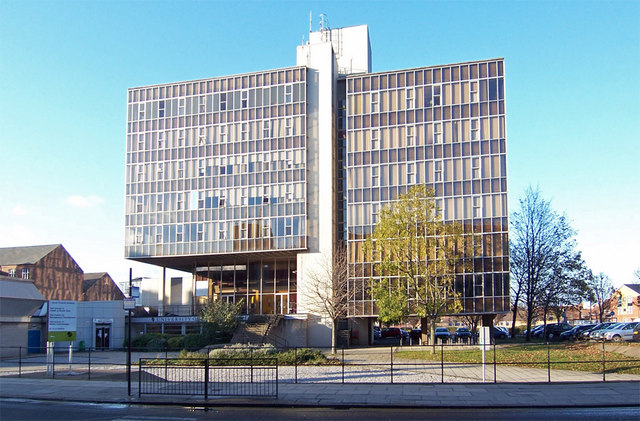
(573, 101)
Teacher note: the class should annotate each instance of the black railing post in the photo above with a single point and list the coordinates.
(495, 380)
(391, 348)
(343, 365)
(89, 363)
(19, 361)
(53, 360)
(604, 379)
(548, 364)
(295, 362)
(206, 378)
(251, 362)
(276, 377)
(441, 361)
(139, 377)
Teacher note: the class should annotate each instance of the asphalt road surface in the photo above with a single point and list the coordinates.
(23, 409)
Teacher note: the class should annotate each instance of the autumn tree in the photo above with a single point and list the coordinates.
(327, 292)
(220, 316)
(543, 259)
(600, 290)
(417, 254)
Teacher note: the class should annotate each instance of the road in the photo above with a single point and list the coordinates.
(23, 410)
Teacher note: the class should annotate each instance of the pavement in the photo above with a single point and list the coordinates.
(513, 389)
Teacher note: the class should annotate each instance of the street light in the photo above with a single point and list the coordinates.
(129, 330)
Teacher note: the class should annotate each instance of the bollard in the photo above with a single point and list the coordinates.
(206, 378)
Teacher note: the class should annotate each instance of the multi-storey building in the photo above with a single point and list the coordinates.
(249, 181)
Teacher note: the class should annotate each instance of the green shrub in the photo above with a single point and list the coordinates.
(175, 342)
(157, 344)
(194, 341)
(141, 342)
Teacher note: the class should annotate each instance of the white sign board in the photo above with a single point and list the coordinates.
(63, 317)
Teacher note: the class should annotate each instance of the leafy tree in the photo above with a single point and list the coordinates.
(327, 290)
(418, 253)
(543, 257)
(391, 302)
(600, 291)
(220, 316)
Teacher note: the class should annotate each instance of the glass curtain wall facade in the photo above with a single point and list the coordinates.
(216, 172)
(440, 126)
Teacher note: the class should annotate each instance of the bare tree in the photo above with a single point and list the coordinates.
(541, 245)
(601, 290)
(327, 292)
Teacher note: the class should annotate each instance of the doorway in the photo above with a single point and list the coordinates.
(102, 336)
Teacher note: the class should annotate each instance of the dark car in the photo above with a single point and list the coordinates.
(552, 330)
(463, 334)
(499, 333)
(572, 334)
(443, 334)
(391, 332)
(415, 334)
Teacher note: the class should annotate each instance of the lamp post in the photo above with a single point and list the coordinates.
(129, 338)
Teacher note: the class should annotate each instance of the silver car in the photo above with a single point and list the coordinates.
(620, 333)
(596, 335)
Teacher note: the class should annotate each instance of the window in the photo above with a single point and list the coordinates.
(409, 99)
(201, 168)
(244, 95)
(375, 104)
(473, 91)
(477, 209)
(200, 232)
(178, 233)
(223, 199)
(141, 111)
(222, 233)
(375, 210)
(266, 129)
(25, 273)
(475, 168)
(437, 171)
(180, 137)
(180, 201)
(12, 273)
(181, 106)
(139, 204)
(375, 176)
(223, 133)
(266, 229)
(160, 140)
(138, 236)
(158, 235)
(288, 97)
(141, 141)
(437, 132)
(223, 102)
(287, 126)
(475, 129)
(244, 130)
(436, 95)
(159, 199)
(202, 136)
(411, 136)
(161, 109)
(479, 290)
(180, 169)
(140, 172)
(411, 173)
(287, 226)
(202, 104)
(375, 139)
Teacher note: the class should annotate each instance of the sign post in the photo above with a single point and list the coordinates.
(62, 325)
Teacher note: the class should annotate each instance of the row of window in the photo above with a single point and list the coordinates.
(230, 83)
(213, 231)
(425, 97)
(217, 134)
(24, 273)
(217, 102)
(426, 76)
(211, 199)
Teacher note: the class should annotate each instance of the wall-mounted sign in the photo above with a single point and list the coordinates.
(63, 317)
(129, 303)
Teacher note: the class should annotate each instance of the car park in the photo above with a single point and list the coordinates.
(623, 332)
(572, 334)
(552, 330)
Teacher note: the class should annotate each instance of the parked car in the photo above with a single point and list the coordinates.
(463, 334)
(572, 334)
(596, 335)
(586, 334)
(499, 333)
(404, 333)
(534, 330)
(391, 332)
(552, 330)
(376, 333)
(415, 334)
(636, 334)
(443, 334)
(623, 332)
